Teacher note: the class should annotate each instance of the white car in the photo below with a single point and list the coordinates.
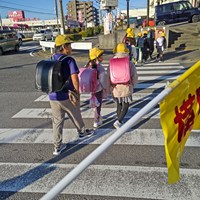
(55, 32)
(43, 34)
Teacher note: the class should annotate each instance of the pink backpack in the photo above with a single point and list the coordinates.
(120, 70)
(87, 80)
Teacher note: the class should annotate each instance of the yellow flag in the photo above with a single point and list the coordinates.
(179, 114)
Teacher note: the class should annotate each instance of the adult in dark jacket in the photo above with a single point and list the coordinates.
(151, 39)
(146, 47)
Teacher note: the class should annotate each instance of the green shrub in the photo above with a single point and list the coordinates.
(90, 31)
(101, 29)
(84, 34)
(75, 37)
(96, 30)
(78, 29)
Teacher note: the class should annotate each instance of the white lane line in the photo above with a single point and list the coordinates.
(156, 68)
(152, 137)
(101, 180)
(149, 85)
(145, 78)
(85, 97)
(30, 48)
(107, 113)
(153, 64)
(160, 72)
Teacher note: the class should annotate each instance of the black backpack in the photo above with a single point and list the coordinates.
(49, 75)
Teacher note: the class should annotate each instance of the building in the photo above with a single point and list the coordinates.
(84, 12)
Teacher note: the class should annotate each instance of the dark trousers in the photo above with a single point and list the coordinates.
(122, 109)
(97, 110)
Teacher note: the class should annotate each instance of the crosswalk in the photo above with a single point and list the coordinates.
(133, 168)
(28, 48)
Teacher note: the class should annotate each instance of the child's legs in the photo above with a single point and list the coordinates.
(123, 112)
(97, 110)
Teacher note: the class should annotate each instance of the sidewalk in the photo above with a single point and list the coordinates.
(185, 57)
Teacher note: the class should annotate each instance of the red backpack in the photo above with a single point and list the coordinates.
(120, 70)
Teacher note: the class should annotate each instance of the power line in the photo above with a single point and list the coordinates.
(42, 13)
(24, 5)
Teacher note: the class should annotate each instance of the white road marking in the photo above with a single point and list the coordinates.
(151, 78)
(181, 71)
(85, 97)
(107, 113)
(101, 180)
(153, 137)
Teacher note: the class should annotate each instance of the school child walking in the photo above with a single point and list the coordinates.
(161, 46)
(96, 58)
(129, 40)
(122, 92)
(138, 47)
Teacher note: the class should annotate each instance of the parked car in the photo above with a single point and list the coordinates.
(42, 34)
(55, 32)
(19, 36)
(151, 22)
(8, 41)
(176, 12)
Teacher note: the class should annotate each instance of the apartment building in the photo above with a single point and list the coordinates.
(84, 12)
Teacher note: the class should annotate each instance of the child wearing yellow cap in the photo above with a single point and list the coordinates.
(122, 93)
(161, 46)
(129, 40)
(95, 60)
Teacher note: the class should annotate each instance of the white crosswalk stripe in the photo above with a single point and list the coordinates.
(135, 166)
(132, 137)
(30, 48)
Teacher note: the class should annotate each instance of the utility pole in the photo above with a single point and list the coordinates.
(62, 29)
(56, 11)
(147, 24)
(85, 15)
(1, 23)
(127, 1)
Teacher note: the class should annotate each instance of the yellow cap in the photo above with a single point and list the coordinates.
(95, 53)
(132, 35)
(62, 39)
(163, 34)
(130, 32)
(121, 48)
(145, 33)
(139, 34)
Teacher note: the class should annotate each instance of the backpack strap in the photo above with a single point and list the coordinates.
(61, 58)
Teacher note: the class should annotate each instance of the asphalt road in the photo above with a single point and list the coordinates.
(133, 168)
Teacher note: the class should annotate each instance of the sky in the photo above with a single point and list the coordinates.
(44, 9)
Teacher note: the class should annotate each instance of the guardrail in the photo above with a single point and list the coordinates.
(76, 45)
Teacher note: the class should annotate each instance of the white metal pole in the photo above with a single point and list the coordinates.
(59, 187)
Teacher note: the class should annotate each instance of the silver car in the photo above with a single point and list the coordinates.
(43, 34)
(8, 41)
